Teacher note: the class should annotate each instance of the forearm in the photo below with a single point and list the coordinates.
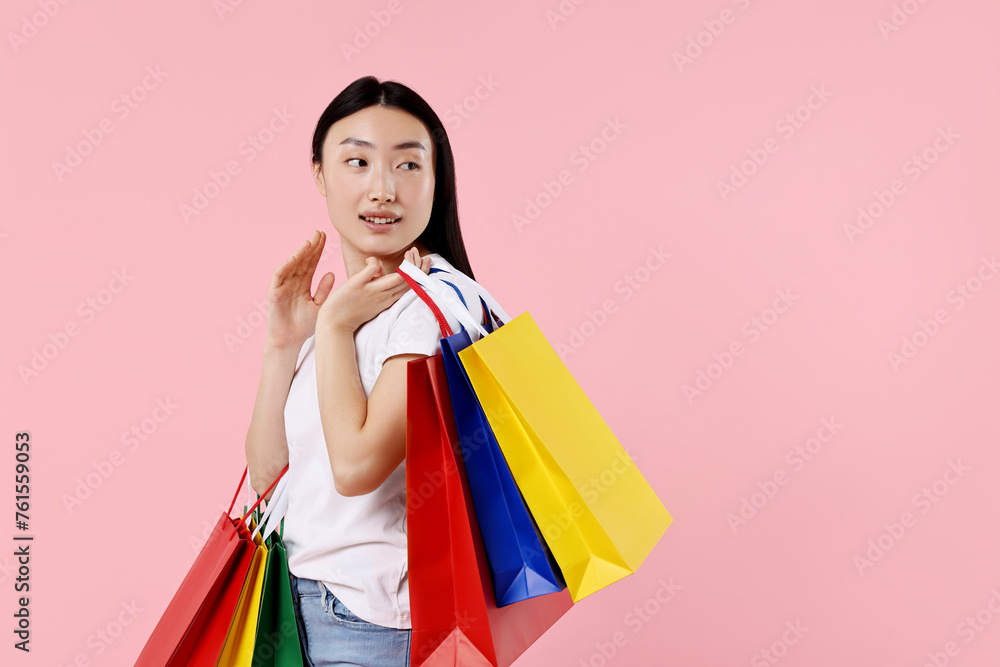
(266, 445)
(343, 404)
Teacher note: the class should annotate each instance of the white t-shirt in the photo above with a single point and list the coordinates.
(357, 545)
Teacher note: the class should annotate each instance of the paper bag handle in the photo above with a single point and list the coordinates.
(236, 495)
(423, 283)
(415, 286)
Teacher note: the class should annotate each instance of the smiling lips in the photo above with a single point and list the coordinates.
(379, 220)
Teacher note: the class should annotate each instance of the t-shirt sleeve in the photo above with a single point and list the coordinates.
(415, 330)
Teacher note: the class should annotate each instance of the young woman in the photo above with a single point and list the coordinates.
(332, 396)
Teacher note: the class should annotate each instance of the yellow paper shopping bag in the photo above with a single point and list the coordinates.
(238, 648)
(597, 513)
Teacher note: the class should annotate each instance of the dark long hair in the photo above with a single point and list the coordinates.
(443, 234)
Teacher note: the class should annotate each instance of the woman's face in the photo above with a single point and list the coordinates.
(378, 161)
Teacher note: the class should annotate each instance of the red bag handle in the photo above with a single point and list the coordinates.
(245, 471)
(442, 322)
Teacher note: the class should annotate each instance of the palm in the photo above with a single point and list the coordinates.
(293, 309)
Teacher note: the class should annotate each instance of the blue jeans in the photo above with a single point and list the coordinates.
(333, 636)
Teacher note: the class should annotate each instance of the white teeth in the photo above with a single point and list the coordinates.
(380, 221)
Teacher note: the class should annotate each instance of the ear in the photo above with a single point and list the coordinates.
(318, 178)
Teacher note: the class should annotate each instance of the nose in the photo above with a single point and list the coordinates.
(382, 186)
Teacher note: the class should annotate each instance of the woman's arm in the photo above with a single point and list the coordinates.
(365, 437)
(291, 319)
(266, 445)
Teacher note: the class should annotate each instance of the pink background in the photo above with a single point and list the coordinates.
(683, 129)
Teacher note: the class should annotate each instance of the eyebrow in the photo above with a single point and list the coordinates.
(367, 144)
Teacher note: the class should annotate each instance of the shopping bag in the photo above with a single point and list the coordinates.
(277, 640)
(194, 625)
(237, 651)
(450, 626)
(277, 643)
(519, 562)
(455, 618)
(598, 515)
(514, 627)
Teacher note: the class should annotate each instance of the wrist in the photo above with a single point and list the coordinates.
(274, 349)
(332, 326)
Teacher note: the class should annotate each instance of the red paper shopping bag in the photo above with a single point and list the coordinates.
(447, 607)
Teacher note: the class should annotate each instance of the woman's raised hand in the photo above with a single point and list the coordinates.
(292, 309)
(367, 293)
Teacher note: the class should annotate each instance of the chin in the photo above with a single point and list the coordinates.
(383, 247)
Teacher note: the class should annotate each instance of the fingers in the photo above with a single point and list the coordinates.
(305, 249)
(377, 281)
(307, 257)
(422, 263)
(316, 251)
(324, 288)
(388, 283)
(393, 293)
(296, 265)
(373, 268)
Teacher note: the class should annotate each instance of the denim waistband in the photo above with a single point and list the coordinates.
(307, 587)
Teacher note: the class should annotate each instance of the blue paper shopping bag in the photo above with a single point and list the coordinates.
(520, 563)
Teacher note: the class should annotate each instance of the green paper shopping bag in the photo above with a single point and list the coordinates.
(277, 639)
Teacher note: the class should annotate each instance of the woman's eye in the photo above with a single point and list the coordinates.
(355, 159)
(415, 165)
